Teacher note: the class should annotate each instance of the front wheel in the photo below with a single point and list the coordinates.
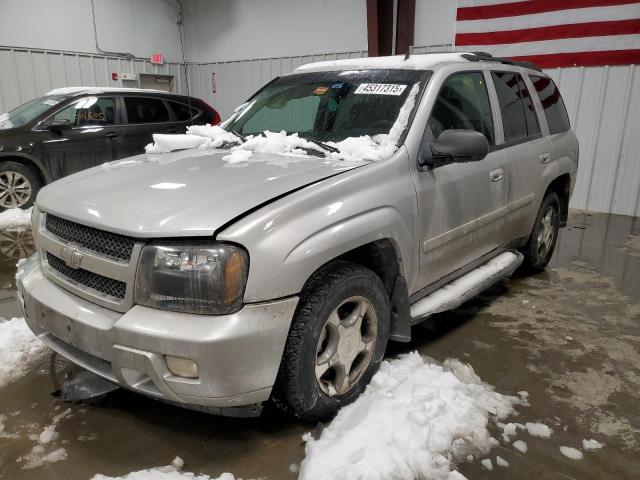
(19, 185)
(336, 342)
(542, 242)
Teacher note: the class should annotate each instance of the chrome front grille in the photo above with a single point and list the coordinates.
(110, 245)
(93, 281)
(96, 265)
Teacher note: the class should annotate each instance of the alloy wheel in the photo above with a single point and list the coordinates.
(15, 189)
(346, 345)
(546, 233)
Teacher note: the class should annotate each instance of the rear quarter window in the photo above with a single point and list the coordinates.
(183, 112)
(552, 104)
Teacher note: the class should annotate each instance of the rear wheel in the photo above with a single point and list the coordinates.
(19, 185)
(542, 242)
(336, 342)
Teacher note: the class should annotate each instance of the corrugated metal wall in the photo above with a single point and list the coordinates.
(604, 107)
(25, 73)
(602, 103)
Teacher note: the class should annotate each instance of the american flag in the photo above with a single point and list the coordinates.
(552, 33)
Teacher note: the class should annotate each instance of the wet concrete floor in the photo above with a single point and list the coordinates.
(569, 336)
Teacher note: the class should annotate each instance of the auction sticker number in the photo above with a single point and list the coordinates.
(380, 89)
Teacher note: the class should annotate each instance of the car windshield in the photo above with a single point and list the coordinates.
(29, 111)
(328, 106)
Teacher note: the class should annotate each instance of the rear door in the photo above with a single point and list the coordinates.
(144, 117)
(93, 129)
(526, 150)
(462, 206)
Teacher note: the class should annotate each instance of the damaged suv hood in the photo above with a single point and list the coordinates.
(184, 193)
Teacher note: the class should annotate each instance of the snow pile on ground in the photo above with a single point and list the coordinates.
(572, 453)
(414, 420)
(170, 472)
(538, 430)
(350, 149)
(591, 444)
(37, 457)
(19, 349)
(15, 218)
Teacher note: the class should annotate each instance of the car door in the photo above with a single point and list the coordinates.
(462, 206)
(144, 117)
(80, 135)
(525, 148)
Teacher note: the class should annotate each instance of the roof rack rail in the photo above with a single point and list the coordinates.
(487, 57)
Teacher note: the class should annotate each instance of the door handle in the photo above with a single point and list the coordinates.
(111, 134)
(496, 175)
(172, 130)
(544, 158)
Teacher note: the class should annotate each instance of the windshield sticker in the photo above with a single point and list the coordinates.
(337, 85)
(380, 89)
(51, 102)
(320, 90)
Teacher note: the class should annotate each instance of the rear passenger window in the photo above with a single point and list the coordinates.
(533, 126)
(463, 103)
(514, 122)
(182, 111)
(551, 100)
(146, 110)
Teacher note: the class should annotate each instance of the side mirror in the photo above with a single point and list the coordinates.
(58, 126)
(456, 146)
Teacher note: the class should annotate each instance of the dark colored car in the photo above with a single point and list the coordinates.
(70, 129)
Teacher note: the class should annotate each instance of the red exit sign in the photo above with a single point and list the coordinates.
(157, 58)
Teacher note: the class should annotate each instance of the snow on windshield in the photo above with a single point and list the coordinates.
(351, 149)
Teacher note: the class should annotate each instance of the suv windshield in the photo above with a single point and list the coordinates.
(29, 111)
(328, 106)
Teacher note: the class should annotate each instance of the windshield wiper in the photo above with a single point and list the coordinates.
(326, 146)
(239, 135)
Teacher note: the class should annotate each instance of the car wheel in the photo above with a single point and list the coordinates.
(544, 236)
(19, 185)
(336, 342)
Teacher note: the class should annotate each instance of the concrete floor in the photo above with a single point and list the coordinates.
(569, 336)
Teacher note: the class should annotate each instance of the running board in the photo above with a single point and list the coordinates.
(454, 294)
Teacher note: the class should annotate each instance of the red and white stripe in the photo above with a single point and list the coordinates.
(552, 33)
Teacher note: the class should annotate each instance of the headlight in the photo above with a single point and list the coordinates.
(206, 278)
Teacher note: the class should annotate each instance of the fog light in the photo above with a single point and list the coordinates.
(182, 367)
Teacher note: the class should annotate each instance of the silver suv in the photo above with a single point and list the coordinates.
(218, 281)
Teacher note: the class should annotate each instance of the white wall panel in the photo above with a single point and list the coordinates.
(603, 107)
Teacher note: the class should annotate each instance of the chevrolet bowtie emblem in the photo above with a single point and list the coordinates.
(71, 256)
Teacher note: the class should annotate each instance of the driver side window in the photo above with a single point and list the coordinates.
(90, 111)
(463, 103)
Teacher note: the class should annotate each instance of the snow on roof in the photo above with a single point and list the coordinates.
(76, 90)
(415, 62)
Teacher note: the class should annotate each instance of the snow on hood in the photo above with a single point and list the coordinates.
(352, 149)
(414, 420)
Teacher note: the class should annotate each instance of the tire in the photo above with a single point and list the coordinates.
(542, 242)
(338, 289)
(25, 183)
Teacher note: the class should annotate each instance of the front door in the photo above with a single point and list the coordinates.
(462, 206)
(86, 135)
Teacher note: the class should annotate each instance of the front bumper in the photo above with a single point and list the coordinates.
(237, 355)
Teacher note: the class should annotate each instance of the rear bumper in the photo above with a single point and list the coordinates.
(237, 355)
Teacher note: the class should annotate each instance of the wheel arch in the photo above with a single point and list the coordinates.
(383, 257)
(561, 185)
(29, 161)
